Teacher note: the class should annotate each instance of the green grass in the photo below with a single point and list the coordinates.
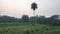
(23, 28)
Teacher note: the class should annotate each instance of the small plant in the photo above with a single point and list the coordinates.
(33, 24)
(37, 29)
(32, 32)
(27, 32)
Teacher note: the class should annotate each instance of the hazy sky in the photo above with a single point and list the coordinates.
(17, 8)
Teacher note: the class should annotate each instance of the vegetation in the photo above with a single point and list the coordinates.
(30, 25)
(53, 20)
(21, 28)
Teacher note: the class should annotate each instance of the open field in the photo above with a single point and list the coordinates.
(23, 28)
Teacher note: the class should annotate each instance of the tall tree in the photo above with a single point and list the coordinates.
(34, 6)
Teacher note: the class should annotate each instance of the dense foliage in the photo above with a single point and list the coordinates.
(30, 25)
(53, 20)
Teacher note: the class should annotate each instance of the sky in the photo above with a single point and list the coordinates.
(17, 8)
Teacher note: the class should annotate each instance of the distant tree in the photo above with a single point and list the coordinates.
(41, 19)
(34, 6)
(31, 19)
(8, 19)
(54, 17)
(25, 18)
(53, 20)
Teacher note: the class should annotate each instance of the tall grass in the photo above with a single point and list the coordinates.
(25, 28)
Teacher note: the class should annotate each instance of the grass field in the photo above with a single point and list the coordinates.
(23, 28)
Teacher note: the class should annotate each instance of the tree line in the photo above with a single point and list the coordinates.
(53, 20)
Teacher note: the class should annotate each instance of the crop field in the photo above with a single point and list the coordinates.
(25, 28)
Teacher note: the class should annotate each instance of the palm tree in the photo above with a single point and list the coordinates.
(34, 6)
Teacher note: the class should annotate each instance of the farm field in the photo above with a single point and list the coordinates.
(27, 28)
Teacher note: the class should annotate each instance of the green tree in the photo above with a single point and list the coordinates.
(25, 18)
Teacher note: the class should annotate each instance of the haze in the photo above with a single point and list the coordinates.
(17, 8)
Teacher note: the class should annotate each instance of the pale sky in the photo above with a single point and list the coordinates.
(17, 8)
